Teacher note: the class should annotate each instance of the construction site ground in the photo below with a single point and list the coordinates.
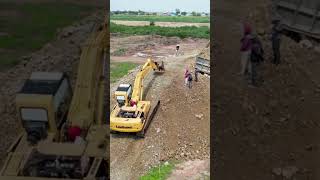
(180, 130)
(269, 132)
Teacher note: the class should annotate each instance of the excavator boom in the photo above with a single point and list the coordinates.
(87, 102)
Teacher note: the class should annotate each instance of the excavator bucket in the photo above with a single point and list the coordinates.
(160, 67)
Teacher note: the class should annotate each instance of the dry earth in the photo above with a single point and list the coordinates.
(270, 132)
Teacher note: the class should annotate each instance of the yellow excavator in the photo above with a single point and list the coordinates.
(65, 134)
(131, 113)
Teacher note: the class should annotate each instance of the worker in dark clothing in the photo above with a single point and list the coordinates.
(190, 80)
(256, 58)
(196, 75)
(275, 38)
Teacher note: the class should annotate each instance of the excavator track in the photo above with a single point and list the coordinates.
(148, 121)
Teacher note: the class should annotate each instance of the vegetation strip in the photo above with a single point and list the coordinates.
(39, 26)
(160, 172)
(182, 32)
(119, 69)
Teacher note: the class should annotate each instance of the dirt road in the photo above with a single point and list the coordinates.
(270, 132)
(175, 133)
(162, 24)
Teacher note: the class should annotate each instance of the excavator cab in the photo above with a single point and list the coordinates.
(42, 104)
(123, 94)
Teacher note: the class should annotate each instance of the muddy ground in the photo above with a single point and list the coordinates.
(61, 55)
(270, 132)
(175, 133)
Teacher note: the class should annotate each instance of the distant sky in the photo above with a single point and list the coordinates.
(161, 5)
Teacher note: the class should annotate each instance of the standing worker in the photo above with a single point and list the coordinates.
(256, 58)
(190, 80)
(186, 74)
(275, 38)
(245, 49)
(177, 49)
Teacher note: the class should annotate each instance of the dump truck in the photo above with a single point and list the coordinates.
(202, 62)
(132, 114)
(299, 16)
(65, 133)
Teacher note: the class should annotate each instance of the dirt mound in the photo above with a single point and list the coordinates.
(257, 130)
(60, 55)
(205, 53)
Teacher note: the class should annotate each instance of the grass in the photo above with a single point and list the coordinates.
(34, 24)
(119, 52)
(182, 32)
(118, 70)
(160, 172)
(191, 19)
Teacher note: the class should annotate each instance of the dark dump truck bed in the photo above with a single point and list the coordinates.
(300, 16)
(202, 64)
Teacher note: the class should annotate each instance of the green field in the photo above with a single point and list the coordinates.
(118, 70)
(182, 32)
(160, 172)
(191, 19)
(27, 27)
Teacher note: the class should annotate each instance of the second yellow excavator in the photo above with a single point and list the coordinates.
(131, 113)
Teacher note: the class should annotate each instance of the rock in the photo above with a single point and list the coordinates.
(306, 44)
(309, 147)
(166, 163)
(277, 171)
(199, 116)
(289, 171)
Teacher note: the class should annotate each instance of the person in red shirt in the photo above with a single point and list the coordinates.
(245, 49)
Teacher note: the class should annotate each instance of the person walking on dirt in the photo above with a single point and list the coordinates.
(245, 49)
(186, 74)
(275, 38)
(190, 80)
(177, 49)
(256, 58)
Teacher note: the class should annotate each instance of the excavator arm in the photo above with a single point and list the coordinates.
(87, 102)
(138, 83)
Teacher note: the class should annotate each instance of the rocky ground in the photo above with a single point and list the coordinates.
(60, 55)
(180, 130)
(269, 132)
